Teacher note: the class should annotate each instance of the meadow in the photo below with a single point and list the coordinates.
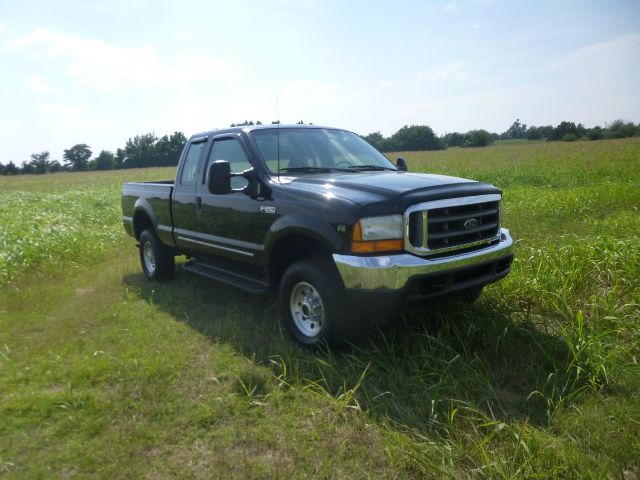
(103, 374)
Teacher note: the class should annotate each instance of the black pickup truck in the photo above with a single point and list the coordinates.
(345, 235)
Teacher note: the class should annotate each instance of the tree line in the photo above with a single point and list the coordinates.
(422, 137)
(148, 150)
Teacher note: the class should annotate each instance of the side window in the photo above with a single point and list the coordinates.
(229, 149)
(190, 168)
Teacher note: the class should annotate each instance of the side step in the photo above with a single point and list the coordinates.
(244, 281)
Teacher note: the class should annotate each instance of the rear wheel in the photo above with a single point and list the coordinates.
(313, 305)
(157, 260)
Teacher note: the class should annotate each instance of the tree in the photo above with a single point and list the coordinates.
(416, 137)
(40, 162)
(533, 133)
(104, 161)
(10, 169)
(595, 133)
(27, 168)
(546, 132)
(375, 139)
(570, 137)
(477, 138)
(563, 129)
(55, 166)
(77, 157)
(621, 129)
(119, 159)
(168, 149)
(453, 139)
(516, 130)
(140, 151)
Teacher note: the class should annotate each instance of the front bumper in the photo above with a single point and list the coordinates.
(421, 277)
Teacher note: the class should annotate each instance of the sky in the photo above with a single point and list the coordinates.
(99, 72)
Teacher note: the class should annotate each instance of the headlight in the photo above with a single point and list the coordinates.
(378, 234)
(382, 228)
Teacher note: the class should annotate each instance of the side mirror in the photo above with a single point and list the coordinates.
(219, 177)
(402, 164)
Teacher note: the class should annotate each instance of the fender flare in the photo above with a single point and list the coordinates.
(143, 206)
(303, 224)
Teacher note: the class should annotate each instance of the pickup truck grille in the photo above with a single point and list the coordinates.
(444, 226)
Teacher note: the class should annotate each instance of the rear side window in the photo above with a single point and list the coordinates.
(190, 169)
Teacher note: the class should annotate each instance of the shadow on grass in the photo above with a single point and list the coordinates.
(481, 362)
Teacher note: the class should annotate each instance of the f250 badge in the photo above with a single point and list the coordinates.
(271, 210)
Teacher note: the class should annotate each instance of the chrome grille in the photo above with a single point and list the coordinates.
(452, 224)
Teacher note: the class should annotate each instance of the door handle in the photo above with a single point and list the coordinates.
(198, 205)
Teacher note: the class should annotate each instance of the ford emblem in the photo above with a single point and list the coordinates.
(471, 223)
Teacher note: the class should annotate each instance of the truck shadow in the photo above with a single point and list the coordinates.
(483, 360)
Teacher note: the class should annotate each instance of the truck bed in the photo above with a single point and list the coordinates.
(156, 197)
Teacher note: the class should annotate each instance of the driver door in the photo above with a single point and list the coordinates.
(230, 225)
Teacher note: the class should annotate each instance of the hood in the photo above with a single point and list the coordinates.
(388, 192)
(370, 187)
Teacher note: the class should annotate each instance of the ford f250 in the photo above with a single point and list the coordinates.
(345, 236)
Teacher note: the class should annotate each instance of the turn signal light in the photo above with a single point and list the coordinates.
(373, 246)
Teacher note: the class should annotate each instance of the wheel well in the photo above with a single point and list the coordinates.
(141, 222)
(290, 249)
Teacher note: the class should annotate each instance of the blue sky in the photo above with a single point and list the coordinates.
(99, 72)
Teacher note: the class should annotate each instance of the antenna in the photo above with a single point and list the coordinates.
(278, 126)
(278, 104)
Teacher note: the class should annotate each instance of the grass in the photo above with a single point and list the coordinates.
(105, 374)
(67, 217)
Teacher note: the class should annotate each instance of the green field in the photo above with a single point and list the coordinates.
(103, 374)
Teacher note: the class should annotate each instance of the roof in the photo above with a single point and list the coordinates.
(250, 128)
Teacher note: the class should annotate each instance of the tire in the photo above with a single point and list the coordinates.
(313, 304)
(157, 260)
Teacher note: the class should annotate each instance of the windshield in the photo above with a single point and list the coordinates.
(314, 150)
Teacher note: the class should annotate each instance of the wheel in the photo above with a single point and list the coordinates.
(157, 260)
(313, 305)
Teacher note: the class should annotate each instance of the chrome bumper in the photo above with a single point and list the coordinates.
(392, 272)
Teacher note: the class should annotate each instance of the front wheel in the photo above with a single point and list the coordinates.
(157, 260)
(313, 304)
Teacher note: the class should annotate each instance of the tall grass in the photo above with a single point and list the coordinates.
(537, 379)
(60, 218)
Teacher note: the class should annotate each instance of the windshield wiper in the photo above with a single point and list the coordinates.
(371, 167)
(314, 169)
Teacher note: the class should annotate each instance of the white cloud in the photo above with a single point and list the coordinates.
(593, 84)
(449, 6)
(38, 84)
(3, 27)
(97, 64)
(309, 95)
(61, 110)
(621, 52)
(451, 70)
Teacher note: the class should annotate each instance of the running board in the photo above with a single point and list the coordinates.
(244, 282)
